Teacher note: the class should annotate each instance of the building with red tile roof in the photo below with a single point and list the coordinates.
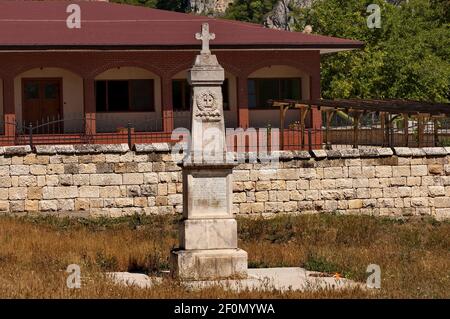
(127, 65)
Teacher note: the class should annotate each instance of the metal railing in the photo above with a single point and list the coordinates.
(342, 133)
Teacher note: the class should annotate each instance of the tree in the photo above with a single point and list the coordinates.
(249, 10)
(172, 5)
(144, 3)
(408, 57)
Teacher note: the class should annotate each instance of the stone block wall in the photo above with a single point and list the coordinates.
(111, 180)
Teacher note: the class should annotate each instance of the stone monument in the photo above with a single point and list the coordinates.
(208, 233)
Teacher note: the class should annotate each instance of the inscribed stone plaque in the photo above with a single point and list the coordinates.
(209, 195)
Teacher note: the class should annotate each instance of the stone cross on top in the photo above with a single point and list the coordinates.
(205, 36)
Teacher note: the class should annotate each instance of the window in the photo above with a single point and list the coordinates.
(182, 93)
(262, 90)
(124, 95)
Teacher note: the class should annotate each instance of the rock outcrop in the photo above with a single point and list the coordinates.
(280, 17)
(209, 7)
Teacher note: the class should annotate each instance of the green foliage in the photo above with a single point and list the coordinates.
(249, 10)
(144, 3)
(172, 5)
(320, 264)
(408, 57)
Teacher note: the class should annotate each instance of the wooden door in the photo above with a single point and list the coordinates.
(42, 103)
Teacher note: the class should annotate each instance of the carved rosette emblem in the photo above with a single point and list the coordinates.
(208, 106)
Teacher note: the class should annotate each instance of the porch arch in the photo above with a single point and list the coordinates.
(125, 64)
(71, 104)
(260, 117)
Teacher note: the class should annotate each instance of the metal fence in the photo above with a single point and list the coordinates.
(77, 131)
(341, 133)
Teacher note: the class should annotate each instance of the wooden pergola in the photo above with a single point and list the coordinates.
(388, 110)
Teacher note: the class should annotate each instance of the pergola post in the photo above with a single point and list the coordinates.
(329, 116)
(303, 113)
(436, 132)
(389, 131)
(406, 128)
(283, 109)
(356, 120)
(420, 130)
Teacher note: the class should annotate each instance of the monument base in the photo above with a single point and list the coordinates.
(209, 264)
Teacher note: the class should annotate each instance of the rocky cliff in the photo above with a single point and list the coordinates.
(209, 7)
(280, 17)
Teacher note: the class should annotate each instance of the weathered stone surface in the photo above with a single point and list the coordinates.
(45, 149)
(349, 153)
(368, 152)
(152, 148)
(436, 169)
(209, 264)
(413, 182)
(417, 152)
(133, 179)
(86, 149)
(19, 169)
(48, 205)
(105, 179)
(283, 155)
(435, 151)
(319, 154)
(384, 151)
(301, 155)
(220, 234)
(16, 150)
(113, 148)
(333, 154)
(419, 170)
(403, 151)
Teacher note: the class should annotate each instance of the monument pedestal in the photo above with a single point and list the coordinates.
(209, 264)
(208, 233)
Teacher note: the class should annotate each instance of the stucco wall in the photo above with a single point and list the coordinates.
(111, 180)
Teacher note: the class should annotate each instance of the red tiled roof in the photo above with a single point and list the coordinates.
(42, 24)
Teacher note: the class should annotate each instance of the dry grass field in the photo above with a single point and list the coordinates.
(35, 251)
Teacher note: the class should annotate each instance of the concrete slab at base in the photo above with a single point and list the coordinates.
(279, 279)
(262, 279)
(209, 264)
(134, 279)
